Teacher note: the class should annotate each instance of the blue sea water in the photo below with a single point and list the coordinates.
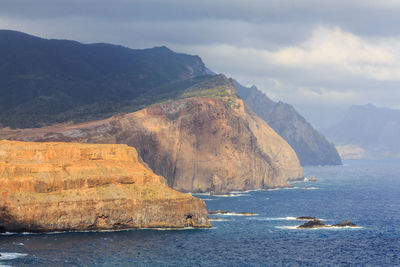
(365, 192)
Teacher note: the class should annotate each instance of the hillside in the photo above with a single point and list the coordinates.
(209, 140)
(311, 146)
(49, 81)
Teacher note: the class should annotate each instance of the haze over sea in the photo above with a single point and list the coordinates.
(365, 192)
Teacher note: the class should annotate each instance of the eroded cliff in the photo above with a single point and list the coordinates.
(207, 141)
(69, 186)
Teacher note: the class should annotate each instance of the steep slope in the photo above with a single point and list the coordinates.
(368, 132)
(47, 81)
(67, 186)
(311, 147)
(207, 141)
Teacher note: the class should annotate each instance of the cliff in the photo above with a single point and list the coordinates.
(311, 146)
(208, 141)
(68, 186)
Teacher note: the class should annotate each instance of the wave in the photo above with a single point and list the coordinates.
(236, 214)
(97, 231)
(320, 228)
(231, 195)
(287, 218)
(219, 220)
(11, 255)
(310, 188)
(287, 227)
(274, 218)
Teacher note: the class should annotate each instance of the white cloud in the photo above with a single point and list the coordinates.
(331, 47)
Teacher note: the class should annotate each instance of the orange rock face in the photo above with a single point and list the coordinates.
(69, 186)
(198, 144)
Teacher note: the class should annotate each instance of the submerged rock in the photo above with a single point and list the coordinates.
(68, 186)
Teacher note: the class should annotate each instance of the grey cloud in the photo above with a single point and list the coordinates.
(198, 27)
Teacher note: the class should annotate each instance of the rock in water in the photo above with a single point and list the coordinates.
(208, 141)
(312, 224)
(68, 186)
(346, 223)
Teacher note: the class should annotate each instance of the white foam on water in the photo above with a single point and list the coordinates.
(220, 220)
(321, 228)
(207, 199)
(11, 256)
(274, 219)
(236, 214)
(231, 195)
(287, 218)
(311, 188)
(287, 227)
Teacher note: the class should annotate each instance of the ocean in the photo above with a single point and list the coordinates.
(365, 192)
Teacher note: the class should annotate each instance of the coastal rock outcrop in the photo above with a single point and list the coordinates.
(209, 141)
(69, 186)
(317, 223)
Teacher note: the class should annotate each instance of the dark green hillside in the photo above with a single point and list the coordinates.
(47, 81)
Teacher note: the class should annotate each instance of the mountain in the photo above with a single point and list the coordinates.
(50, 81)
(67, 186)
(311, 147)
(371, 131)
(208, 140)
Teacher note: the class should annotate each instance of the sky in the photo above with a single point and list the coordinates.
(320, 56)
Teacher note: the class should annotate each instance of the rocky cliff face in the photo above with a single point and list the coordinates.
(68, 186)
(311, 147)
(199, 144)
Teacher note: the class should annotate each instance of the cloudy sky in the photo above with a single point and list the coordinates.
(320, 56)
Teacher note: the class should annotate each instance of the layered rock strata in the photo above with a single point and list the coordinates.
(69, 186)
(210, 141)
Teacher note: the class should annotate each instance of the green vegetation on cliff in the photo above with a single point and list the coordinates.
(48, 81)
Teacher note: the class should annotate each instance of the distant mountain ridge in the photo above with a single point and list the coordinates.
(373, 130)
(48, 81)
(311, 147)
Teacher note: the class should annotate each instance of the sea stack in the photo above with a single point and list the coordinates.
(73, 187)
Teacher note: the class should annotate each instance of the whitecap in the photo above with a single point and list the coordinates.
(220, 220)
(320, 228)
(231, 195)
(11, 256)
(311, 188)
(237, 214)
(274, 218)
(287, 227)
